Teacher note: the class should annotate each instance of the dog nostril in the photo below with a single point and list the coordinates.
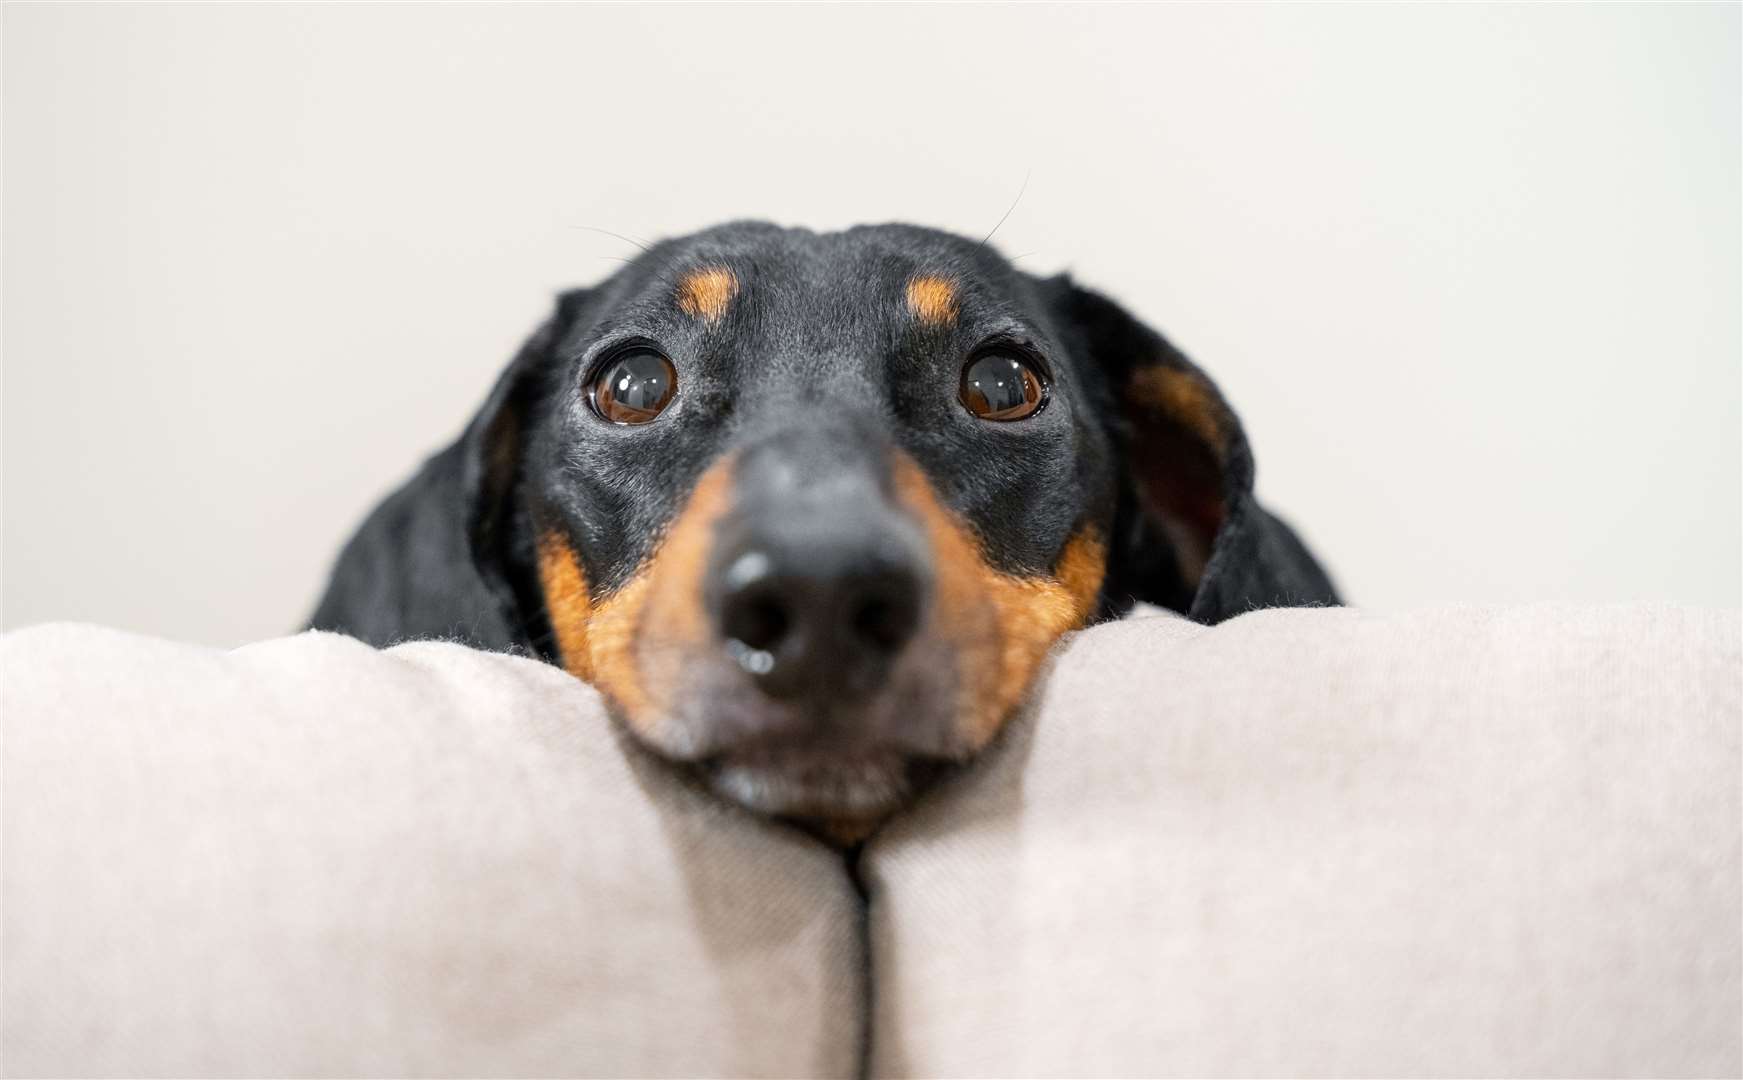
(758, 622)
(886, 619)
(876, 622)
(755, 614)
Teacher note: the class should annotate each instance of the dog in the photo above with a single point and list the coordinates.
(810, 509)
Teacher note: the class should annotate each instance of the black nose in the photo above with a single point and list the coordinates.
(812, 606)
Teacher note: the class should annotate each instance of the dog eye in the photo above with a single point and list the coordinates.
(1002, 386)
(634, 386)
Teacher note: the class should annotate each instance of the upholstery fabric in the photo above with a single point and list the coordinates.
(1450, 843)
(1319, 842)
(307, 857)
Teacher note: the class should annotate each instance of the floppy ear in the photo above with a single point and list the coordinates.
(1188, 534)
(449, 555)
(499, 536)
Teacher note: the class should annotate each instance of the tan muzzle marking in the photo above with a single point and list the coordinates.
(632, 644)
(1000, 624)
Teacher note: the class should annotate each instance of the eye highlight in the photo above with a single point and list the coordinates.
(1002, 385)
(634, 386)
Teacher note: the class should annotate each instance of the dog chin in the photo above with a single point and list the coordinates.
(806, 786)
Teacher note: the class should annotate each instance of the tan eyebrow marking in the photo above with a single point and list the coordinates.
(932, 299)
(707, 292)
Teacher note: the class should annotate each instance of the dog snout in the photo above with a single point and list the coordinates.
(818, 581)
(818, 605)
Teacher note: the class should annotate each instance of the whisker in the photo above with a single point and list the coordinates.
(1013, 206)
(618, 236)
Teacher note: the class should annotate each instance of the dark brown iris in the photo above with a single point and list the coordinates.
(1002, 386)
(634, 386)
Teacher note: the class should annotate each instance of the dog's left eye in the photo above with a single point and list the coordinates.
(634, 386)
(1002, 385)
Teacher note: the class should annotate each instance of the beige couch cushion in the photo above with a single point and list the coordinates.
(1464, 843)
(308, 857)
(1448, 843)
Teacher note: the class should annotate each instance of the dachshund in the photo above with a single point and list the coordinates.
(809, 509)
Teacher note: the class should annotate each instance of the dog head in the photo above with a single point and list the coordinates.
(810, 509)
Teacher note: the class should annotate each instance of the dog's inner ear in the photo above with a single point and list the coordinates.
(1181, 449)
(1178, 437)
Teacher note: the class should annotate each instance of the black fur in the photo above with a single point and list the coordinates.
(817, 331)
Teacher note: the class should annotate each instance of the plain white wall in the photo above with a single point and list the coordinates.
(1469, 273)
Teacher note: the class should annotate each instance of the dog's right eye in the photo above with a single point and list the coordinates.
(633, 386)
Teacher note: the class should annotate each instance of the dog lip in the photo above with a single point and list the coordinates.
(728, 718)
(814, 781)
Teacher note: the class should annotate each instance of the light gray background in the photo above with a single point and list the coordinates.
(1469, 273)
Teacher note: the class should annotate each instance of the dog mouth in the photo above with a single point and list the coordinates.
(819, 783)
(830, 755)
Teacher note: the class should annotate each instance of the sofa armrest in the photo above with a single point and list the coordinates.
(310, 857)
(1304, 843)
